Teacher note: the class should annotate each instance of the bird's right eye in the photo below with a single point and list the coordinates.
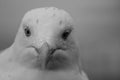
(27, 31)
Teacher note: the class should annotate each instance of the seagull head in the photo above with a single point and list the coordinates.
(45, 40)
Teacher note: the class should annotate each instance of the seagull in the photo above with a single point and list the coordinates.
(44, 48)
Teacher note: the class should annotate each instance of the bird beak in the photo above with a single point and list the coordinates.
(42, 51)
(45, 53)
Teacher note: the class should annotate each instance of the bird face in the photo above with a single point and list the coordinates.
(45, 40)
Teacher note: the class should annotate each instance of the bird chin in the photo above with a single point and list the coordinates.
(56, 61)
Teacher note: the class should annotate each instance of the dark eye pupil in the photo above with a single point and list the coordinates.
(66, 34)
(27, 32)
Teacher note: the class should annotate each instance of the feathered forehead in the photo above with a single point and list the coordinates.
(44, 15)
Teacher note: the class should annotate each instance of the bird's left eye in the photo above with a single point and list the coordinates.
(66, 33)
(27, 31)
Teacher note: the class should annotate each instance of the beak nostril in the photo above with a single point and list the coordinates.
(51, 51)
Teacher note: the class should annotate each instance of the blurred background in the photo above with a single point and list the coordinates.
(98, 31)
